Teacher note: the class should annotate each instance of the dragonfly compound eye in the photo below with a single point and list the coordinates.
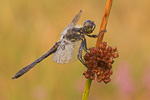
(88, 26)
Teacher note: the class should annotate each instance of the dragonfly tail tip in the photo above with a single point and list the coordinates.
(13, 77)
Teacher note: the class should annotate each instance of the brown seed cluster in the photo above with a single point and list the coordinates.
(100, 61)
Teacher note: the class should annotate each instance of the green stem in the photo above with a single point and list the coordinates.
(87, 89)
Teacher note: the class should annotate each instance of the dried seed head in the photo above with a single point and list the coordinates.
(92, 77)
(114, 49)
(104, 43)
(100, 62)
(115, 55)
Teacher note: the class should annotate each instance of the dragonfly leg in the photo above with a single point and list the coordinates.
(95, 36)
(84, 45)
(81, 59)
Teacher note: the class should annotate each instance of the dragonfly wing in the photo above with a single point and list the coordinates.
(73, 23)
(66, 52)
(75, 52)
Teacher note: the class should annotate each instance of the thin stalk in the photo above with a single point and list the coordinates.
(99, 40)
(87, 89)
(104, 22)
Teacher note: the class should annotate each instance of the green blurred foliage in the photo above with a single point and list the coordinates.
(29, 28)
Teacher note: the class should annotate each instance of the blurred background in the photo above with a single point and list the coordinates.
(29, 28)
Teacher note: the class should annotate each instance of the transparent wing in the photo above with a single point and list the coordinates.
(66, 52)
(73, 23)
(75, 51)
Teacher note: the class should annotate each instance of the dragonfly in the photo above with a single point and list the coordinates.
(65, 50)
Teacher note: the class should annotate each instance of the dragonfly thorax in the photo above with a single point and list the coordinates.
(73, 37)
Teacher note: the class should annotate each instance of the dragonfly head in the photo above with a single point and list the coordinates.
(88, 26)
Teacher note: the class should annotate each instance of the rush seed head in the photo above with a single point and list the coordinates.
(100, 61)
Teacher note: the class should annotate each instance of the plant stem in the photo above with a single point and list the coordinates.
(99, 40)
(87, 89)
(104, 21)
